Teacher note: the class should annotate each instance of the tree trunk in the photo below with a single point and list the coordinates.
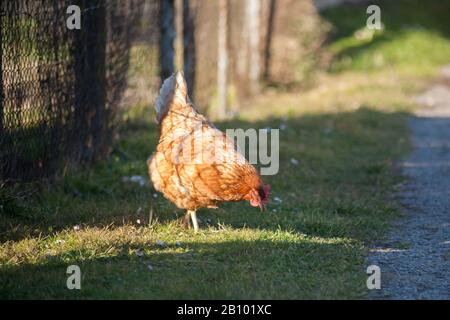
(222, 60)
(242, 57)
(268, 44)
(254, 25)
(167, 29)
(189, 47)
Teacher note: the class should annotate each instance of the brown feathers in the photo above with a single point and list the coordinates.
(195, 165)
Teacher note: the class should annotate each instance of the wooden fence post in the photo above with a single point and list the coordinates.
(96, 73)
(167, 29)
(254, 24)
(90, 73)
(222, 60)
(189, 52)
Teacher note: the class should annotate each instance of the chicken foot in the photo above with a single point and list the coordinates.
(186, 220)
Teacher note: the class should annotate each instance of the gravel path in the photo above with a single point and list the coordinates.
(415, 257)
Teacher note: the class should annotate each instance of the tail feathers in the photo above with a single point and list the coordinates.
(173, 91)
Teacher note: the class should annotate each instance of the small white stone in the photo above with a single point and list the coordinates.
(76, 228)
(138, 221)
(135, 179)
(277, 199)
(59, 241)
(294, 161)
(150, 267)
(160, 243)
(178, 244)
(155, 195)
(139, 252)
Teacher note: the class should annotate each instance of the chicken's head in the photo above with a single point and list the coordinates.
(259, 197)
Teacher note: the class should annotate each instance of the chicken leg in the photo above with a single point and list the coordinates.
(193, 215)
(186, 220)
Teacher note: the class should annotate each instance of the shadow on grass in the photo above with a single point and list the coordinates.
(308, 245)
(337, 189)
(262, 269)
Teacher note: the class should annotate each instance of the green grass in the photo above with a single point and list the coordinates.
(346, 132)
(414, 39)
(309, 246)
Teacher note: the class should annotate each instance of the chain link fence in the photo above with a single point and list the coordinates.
(60, 88)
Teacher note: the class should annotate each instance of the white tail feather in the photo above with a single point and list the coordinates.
(173, 90)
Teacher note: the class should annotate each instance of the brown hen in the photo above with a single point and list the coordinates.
(195, 165)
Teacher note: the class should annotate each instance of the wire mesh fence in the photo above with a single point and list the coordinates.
(60, 88)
